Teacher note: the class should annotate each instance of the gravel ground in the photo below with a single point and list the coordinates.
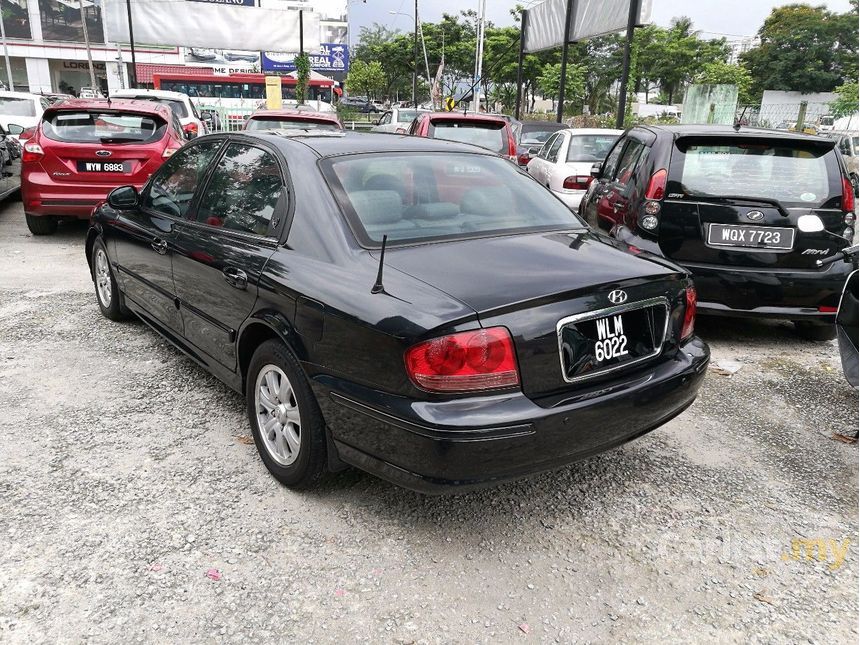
(126, 476)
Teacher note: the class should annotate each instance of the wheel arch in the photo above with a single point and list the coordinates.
(92, 235)
(263, 326)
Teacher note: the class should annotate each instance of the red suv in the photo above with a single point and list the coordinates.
(84, 148)
(485, 130)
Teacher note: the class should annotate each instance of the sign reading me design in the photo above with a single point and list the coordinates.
(221, 25)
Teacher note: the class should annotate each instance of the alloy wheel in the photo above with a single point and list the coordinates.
(278, 417)
(103, 281)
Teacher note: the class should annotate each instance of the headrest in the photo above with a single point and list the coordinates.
(436, 210)
(377, 206)
(490, 200)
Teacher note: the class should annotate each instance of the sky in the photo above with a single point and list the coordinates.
(712, 17)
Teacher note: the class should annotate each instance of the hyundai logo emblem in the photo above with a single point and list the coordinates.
(755, 216)
(618, 297)
(103, 153)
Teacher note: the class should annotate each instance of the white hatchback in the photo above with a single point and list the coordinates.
(21, 108)
(178, 102)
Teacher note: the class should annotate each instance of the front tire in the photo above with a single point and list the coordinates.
(285, 419)
(815, 331)
(41, 225)
(107, 291)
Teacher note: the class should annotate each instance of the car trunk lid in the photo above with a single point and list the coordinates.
(544, 281)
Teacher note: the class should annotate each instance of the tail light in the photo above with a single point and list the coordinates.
(512, 147)
(474, 360)
(27, 133)
(32, 152)
(824, 309)
(577, 182)
(689, 313)
(524, 159)
(657, 185)
(190, 128)
(847, 196)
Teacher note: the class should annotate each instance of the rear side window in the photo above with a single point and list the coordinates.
(486, 134)
(552, 154)
(633, 154)
(786, 171)
(103, 127)
(243, 191)
(274, 123)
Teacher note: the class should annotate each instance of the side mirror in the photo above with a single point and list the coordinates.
(596, 169)
(810, 224)
(534, 151)
(188, 135)
(123, 197)
(14, 129)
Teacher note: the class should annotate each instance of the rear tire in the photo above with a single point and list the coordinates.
(815, 331)
(286, 421)
(41, 225)
(107, 291)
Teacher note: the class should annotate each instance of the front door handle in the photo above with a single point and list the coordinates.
(235, 277)
(159, 246)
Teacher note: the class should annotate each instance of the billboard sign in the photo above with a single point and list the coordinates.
(332, 57)
(589, 19)
(215, 25)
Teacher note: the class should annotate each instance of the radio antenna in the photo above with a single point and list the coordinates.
(378, 287)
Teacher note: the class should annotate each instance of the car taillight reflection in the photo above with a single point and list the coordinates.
(27, 133)
(689, 313)
(191, 128)
(468, 361)
(32, 152)
(577, 182)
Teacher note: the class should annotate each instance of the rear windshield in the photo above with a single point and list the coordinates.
(17, 107)
(175, 105)
(784, 171)
(487, 134)
(103, 127)
(590, 147)
(425, 196)
(532, 136)
(276, 122)
(406, 116)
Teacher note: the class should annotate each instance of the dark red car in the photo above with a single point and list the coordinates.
(84, 148)
(300, 119)
(485, 130)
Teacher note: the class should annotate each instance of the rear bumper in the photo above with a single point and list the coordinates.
(434, 447)
(784, 293)
(571, 200)
(42, 196)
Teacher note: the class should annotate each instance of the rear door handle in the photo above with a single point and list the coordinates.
(235, 277)
(159, 246)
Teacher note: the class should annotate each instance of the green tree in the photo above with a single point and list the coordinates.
(846, 102)
(303, 75)
(366, 79)
(720, 73)
(549, 84)
(805, 49)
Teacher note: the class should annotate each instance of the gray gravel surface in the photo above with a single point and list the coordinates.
(126, 477)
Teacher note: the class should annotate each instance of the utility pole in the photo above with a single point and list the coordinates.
(132, 78)
(6, 54)
(632, 19)
(87, 43)
(415, 59)
(524, 16)
(301, 32)
(479, 57)
(559, 115)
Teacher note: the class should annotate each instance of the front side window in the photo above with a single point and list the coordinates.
(552, 155)
(243, 191)
(173, 186)
(611, 162)
(422, 197)
(633, 154)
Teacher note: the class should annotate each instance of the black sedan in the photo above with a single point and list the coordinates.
(417, 308)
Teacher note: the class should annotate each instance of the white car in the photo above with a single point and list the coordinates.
(564, 162)
(397, 120)
(21, 108)
(178, 102)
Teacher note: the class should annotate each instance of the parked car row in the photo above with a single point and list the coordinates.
(420, 306)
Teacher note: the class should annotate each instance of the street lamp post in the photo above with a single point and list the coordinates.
(415, 60)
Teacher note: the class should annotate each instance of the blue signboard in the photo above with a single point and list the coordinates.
(330, 58)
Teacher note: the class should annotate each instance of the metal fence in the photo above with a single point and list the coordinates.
(802, 116)
(232, 119)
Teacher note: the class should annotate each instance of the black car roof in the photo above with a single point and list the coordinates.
(549, 125)
(361, 142)
(727, 130)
